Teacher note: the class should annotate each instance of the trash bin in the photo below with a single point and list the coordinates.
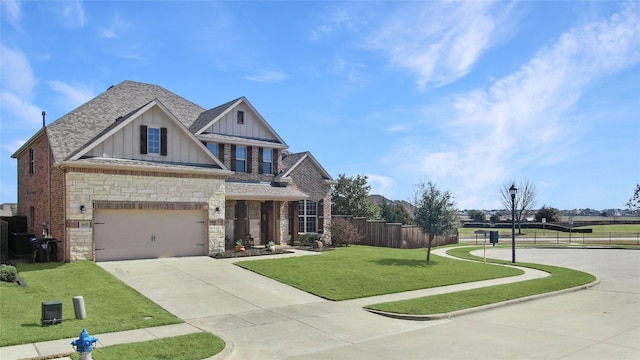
(40, 249)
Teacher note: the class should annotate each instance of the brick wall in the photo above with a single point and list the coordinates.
(308, 179)
(41, 190)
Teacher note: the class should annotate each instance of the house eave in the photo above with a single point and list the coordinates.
(150, 167)
(29, 142)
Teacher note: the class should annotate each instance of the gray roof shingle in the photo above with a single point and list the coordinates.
(74, 130)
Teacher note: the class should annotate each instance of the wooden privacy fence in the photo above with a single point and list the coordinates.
(380, 233)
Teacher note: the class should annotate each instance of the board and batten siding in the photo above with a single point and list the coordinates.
(253, 127)
(125, 144)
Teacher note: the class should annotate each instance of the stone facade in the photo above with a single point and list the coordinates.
(85, 187)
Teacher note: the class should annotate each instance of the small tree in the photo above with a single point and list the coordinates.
(634, 202)
(526, 199)
(350, 196)
(494, 218)
(344, 232)
(394, 213)
(547, 212)
(435, 212)
(477, 215)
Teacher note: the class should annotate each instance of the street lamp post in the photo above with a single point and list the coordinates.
(512, 192)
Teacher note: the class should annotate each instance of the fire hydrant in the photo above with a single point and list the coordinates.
(84, 345)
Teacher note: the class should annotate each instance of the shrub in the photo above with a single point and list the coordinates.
(8, 273)
(308, 239)
(344, 233)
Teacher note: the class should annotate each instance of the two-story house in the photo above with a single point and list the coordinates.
(140, 172)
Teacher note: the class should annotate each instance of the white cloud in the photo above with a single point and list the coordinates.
(12, 11)
(73, 13)
(441, 41)
(116, 28)
(379, 184)
(18, 83)
(268, 76)
(72, 96)
(524, 119)
(17, 76)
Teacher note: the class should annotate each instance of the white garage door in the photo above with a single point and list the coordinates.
(143, 234)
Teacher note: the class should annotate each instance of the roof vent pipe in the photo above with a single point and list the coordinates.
(44, 114)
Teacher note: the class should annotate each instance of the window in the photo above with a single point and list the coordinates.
(241, 159)
(32, 161)
(307, 216)
(213, 147)
(240, 117)
(153, 140)
(267, 161)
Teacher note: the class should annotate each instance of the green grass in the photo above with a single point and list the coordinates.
(623, 230)
(561, 278)
(110, 304)
(187, 347)
(362, 271)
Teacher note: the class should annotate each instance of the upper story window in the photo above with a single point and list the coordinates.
(241, 159)
(32, 161)
(240, 117)
(213, 147)
(267, 161)
(153, 140)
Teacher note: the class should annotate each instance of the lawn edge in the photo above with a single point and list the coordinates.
(452, 314)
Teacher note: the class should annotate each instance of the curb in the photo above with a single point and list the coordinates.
(227, 353)
(451, 315)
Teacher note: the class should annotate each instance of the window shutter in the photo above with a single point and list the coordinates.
(143, 139)
(249, 159)
(321, 216)
(221, 153)
(274, 159)
(260, 161)
(163, 141)
(233, 157)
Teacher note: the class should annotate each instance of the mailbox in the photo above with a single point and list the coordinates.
(493, 237)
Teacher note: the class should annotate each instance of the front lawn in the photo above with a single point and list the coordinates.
(362, 271)
(110, 304)
(561, 278)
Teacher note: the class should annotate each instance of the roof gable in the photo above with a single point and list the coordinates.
(120, 140)
(293, 161)
(73, 131)
(224, 120)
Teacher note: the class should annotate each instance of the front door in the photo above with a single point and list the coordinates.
(241, 220)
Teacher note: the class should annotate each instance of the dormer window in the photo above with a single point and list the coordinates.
(240, 117)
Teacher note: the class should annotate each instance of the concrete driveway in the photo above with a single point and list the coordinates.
(268, 320)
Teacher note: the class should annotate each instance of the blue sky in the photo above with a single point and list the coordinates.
(469, 95)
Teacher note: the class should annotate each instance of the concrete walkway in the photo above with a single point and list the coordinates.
(263, 319)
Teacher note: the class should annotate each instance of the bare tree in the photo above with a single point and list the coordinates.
(526, 199)
(634, 202)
